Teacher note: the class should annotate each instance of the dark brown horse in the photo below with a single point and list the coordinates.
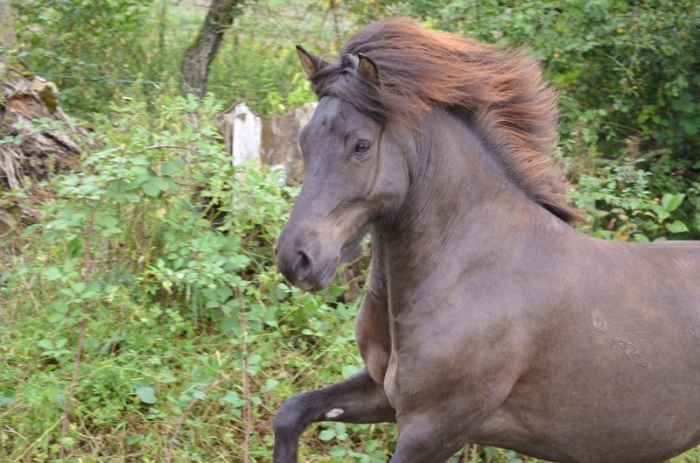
(487, 317)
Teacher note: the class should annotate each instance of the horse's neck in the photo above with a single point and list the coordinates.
(461, 206)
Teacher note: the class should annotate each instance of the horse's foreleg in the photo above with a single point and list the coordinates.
(426, 439)
(358, 399)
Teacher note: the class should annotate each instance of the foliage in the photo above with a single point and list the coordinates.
(144, 41)
(155, 263)
(622, 208)
(72, 38)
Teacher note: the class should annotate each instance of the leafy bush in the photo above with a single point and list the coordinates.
(146, 300)
(100, 52)
(69, 41)
(621, 207)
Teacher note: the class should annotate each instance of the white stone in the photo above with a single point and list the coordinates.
(245, 129)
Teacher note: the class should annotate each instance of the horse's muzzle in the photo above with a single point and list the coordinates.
(299, 260)
(295, 266)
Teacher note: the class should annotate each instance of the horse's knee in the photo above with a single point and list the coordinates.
(425, 440)
(290, 416)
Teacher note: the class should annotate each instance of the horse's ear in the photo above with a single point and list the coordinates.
(310, 63)
(368, 68)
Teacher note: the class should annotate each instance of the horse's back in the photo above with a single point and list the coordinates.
(663, 277)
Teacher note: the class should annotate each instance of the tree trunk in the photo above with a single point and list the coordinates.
(7, 41)
(7, 30)
(199, 56)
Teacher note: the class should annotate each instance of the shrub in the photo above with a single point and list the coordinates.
(152, 270)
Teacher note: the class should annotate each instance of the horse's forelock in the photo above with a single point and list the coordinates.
(343, 81)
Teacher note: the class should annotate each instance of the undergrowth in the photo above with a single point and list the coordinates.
(142, 316)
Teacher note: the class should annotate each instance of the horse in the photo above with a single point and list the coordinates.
(487, 317)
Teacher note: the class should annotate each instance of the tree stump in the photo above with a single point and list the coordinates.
(32, 144)
(37, 140)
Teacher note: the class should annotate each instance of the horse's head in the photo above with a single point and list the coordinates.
(355, 174)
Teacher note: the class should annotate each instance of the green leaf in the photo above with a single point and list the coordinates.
(684, 103)
(338, 452)
(146, 394)
(639, 238)
(371, 446)
(78, 287)
(672, 202)
(691, 126)
(661, 213)
(107, 221)
(45, 344)
(61, 307)
(139, 160)
(153, 186)
(229, 324)
(234, 399)
(271, 383)
(150, 188)
(326, 434)
(52, 273)
(68, 442)
(191, 104)
(75, 247)
(116, 190)
(172, 167)
(67, 292)
(676, 227)
(224, 292)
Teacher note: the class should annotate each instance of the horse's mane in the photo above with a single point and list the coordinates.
(499, 92)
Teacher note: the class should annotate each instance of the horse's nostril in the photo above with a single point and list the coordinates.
(302, 268)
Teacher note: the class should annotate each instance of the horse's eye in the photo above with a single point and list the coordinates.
(362, 146)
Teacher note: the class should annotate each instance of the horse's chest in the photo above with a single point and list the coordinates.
(373, 336)
(390, 383)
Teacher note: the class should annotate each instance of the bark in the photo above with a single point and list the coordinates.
(7, 30)
(7, 41)
(31, 151)
(199, 56)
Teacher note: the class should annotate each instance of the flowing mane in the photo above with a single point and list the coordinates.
(500, 93)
